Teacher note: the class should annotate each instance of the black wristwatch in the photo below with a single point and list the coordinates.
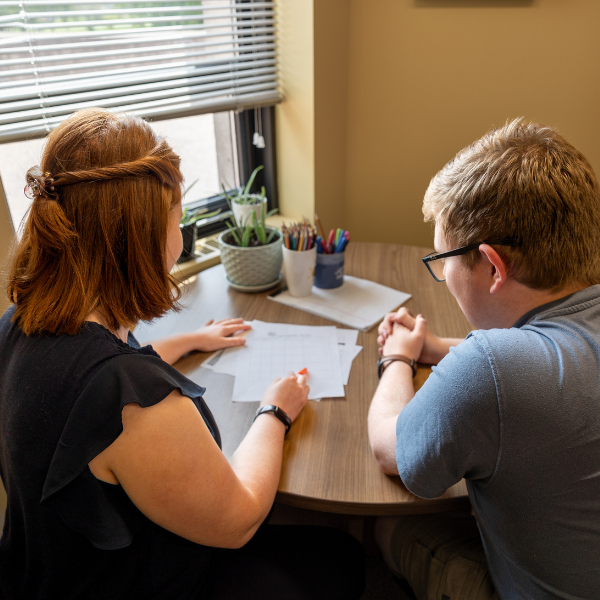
(278, 412)
(384, 361)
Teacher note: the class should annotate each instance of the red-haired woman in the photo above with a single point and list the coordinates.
(116, 484)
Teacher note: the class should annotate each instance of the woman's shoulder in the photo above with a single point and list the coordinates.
(58, 368)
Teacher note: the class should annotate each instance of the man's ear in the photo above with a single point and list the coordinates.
(499, 271)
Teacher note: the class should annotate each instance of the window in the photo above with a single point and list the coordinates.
(193, 67)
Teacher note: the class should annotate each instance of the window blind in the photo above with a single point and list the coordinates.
(154, 58)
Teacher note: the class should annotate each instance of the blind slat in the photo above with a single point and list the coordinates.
(47, 56)
(258, 51)
(103, 93)
(65, 108)
(168, 34)
(135, 32)
(254, 98)
(124, 76)
(121, 22)
(204, 5)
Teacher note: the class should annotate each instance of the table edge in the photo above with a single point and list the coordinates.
(418, 506)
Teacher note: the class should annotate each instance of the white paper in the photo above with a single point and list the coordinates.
(348, 337)
(226, 361)
(272, 350)
(357, 303)
(347, 355)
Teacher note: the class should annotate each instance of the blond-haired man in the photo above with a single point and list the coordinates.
(515, 408)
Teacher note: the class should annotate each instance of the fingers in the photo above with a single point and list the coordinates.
(404, 317)
(420, 326)
(230, 322)
(209, 323)
(227, 330)
(230, 342)
(386, 326)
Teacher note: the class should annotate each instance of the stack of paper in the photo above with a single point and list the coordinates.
(274, 349)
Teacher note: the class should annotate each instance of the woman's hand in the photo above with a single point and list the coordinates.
(289, 393)
(222, 334)
(213, 336)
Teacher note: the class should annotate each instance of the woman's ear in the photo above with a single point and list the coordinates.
(497, 267)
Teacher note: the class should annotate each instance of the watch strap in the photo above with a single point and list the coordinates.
(384, 361)
(278, 412)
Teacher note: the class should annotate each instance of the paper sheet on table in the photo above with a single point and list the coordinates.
(348, 337)
(358, 303)
(226, 361)
(272, 350)
(347, 355)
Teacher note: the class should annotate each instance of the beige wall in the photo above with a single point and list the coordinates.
(399, 86)
(295, 117)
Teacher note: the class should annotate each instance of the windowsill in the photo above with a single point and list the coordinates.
(208, 252)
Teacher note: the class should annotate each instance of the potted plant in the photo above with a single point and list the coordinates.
(243, 203)
(250, 250)
(189, 227)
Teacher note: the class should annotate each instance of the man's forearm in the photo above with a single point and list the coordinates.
(437, 348)
(394, 392)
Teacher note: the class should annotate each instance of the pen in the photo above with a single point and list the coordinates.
(320, 227)
(303, 371)
(344, 241)
(330, 239)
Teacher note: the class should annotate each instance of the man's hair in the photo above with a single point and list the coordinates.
(96, 233)
(523, 181)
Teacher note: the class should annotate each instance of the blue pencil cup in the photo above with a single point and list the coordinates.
(329, 271)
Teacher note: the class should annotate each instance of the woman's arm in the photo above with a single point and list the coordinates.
(170, 466)
(213, 336)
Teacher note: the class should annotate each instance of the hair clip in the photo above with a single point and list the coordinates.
(28, 191)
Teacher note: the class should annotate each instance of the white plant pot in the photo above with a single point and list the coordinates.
(243, 212)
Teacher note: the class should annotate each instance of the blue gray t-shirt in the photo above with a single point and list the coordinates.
(516, 412)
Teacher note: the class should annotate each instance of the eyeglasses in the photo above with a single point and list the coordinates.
(435, 261)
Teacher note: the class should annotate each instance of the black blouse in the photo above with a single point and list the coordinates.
(66, 533)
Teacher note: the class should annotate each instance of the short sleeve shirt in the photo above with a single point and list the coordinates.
(516, 412)
(68, 534)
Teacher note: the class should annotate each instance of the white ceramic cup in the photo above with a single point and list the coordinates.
(299, 269)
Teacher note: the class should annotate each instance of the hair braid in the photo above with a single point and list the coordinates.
(155, 164)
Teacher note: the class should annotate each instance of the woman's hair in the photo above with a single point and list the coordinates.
(95, 237)
(523, 181)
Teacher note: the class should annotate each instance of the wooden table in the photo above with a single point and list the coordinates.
(328, 465)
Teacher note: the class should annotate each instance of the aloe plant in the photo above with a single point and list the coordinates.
(243, 195)
(255, 233)
(190, 217)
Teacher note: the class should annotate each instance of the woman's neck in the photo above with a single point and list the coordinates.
(97, 317)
